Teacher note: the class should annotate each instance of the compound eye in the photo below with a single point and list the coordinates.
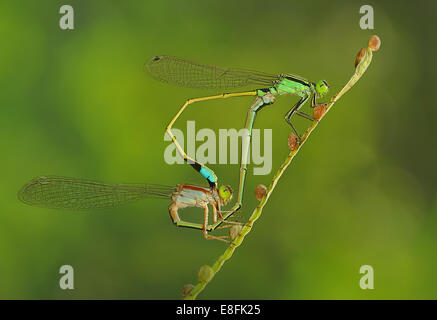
(225, 192)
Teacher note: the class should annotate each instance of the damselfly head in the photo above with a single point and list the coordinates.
(225, 193)
(322, 88)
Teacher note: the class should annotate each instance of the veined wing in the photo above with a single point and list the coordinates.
(79, 194)
(195, 75)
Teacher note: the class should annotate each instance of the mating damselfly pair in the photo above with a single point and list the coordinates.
(73, 193)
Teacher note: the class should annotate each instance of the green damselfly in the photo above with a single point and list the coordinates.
(186, 73)
(80, 194)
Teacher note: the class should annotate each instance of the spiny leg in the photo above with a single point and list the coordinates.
(290, 113)
(218, 213)
(304, 115)
(227, 223)
(223, 220)
(296, 110)
(178, 222)
(223, 224)
(234, 215)
(206, 227)
(315, 104)
(207, 173)
(173, 210)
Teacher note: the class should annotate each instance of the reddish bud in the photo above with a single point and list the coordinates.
(186, 290)
(319, 111)
(260, 191)
(293, 143)
(360, 56)
(374, 43)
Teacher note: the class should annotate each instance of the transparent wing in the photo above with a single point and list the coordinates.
(79, 194)
(186, 73)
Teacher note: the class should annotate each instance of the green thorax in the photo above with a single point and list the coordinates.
(291, 85)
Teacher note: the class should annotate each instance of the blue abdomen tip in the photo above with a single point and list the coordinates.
(207, 174)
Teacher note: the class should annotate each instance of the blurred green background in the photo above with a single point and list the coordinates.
(360, 192)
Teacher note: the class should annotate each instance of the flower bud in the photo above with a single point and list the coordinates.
(360, 56)
(293, 143)
(319, 111)
(205, 273)
(234, 231)
(374, 43)
(186, 290)
(260, 191)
